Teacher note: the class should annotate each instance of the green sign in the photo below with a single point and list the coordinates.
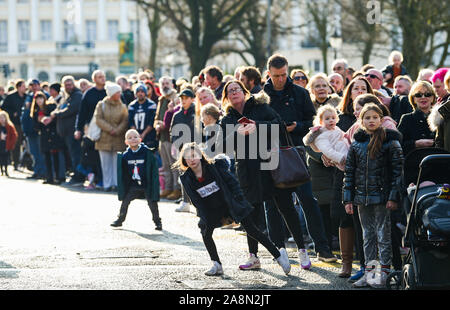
(126, 53)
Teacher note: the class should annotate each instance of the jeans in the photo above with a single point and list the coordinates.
(35, 150)
(74, 147)
(313, 217)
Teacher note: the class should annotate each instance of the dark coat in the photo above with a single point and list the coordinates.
(151, 181)
(183, 118)
(237, 206)
(48, 137)
(373, 181)
(294, 105)
(256, 184)
(414, 126)
(66, 113)
(321, 177)
(390, 69)
(399, 105)
(439, 121)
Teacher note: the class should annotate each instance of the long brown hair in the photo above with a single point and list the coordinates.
(34, 104)
(379, 135)
(226, 104)
(346, 104)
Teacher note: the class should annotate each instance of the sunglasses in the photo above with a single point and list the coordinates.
(372, 76)
(298, 78)
(421, 95)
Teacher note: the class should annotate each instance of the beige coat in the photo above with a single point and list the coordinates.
(113, 115)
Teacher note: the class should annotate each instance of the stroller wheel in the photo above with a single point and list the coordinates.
(394, 280)
(408, 281)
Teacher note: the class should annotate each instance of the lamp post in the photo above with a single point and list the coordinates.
(336, 43)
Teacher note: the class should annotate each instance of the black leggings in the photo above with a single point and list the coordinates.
(252, 232)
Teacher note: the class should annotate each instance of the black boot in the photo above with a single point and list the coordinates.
(155, 214)
(122, 215)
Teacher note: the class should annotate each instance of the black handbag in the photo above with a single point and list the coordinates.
(292, 170)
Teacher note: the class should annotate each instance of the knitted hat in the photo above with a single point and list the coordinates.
(140, 87)
(112, 88)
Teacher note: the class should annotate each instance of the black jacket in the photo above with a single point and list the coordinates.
(48, 137)
(399, 105)
(293, 104)
(373, 181)
(256, 184)
(390, 69)
(67, 113)
(13, 104)
(414, 126)
(88, 103)
(180, 117)
(237, 206)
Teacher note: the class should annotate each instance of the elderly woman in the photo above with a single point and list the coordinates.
(256, 183)
(318, 87)
(394, 69)
(322, 176)
(111, 116)
(414, 126)
(299, 77)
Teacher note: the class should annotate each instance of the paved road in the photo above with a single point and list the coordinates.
(56, 237)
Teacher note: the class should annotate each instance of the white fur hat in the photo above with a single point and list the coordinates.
(112, 88)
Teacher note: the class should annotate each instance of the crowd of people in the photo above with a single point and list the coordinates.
(73, 131)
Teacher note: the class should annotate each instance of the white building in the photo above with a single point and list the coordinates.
(47, 39)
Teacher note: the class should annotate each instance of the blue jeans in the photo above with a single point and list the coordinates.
(74, 147)
(39, 163)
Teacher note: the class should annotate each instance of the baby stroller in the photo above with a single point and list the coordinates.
(427, 264)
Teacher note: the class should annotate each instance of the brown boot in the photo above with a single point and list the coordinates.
(176, 194)
(165, 193)
(346, 241)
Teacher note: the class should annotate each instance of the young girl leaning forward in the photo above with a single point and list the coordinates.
(372, 179)
(216, 195)
(326, 138)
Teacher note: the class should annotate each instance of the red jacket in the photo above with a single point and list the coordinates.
(11, 137)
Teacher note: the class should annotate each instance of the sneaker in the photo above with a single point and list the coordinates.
(252, 263)
(185, 207)
(158, 226)
(362, 282)
(380, 281)
(116, 223)
(283, 261)
(89, 187)
(216, 270)
(305, 262)
(357, 275)
(326, 257)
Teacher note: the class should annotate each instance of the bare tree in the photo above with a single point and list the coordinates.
(201, 24)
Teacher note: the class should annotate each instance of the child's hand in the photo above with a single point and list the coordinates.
(391, 205)
(3, 136)
(349, 208)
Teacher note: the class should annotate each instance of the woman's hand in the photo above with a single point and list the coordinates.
(349, 208)
(291, 127)
(391, 205)
(326, 161)
(247, 129)
(424, 142)
(112, 132)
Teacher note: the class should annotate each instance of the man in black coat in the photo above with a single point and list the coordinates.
(13, 105)
(66, 114)
(296, 109)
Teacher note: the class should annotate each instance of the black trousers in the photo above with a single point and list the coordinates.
(48, 164)
(137, 192)
(252, 232)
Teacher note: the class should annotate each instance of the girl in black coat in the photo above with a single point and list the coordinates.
(49, 141)
(372, 181)
(217, 196)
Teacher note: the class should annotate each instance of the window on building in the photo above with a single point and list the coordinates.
(91, 30)
(3, 36)
(134, 27)
(24, 35)
(69, 32)
(46, 30)
(113, 30)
